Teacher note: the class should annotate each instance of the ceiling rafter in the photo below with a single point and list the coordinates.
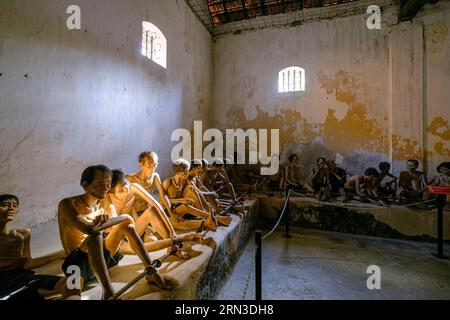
(230, 16)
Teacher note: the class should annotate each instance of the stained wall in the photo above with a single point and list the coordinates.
(371, 95)
(73, 98)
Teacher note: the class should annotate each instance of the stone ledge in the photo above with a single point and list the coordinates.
(395, 222)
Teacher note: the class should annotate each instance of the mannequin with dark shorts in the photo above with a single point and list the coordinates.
(17, 281)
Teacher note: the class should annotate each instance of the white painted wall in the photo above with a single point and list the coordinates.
(89, 97)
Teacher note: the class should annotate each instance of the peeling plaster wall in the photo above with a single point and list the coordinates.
(437, 82)
(69, 99)
(371, 95)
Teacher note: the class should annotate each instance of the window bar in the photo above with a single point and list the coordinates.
(291, 80)
(285, 81)
(302, 80)
(288, 81)
(151, 46)
(146, 43)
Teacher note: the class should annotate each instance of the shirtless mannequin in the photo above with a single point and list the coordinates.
(203, 198)
(319, 180)
(122, 196)
(337, 177)
(386, 182)
(195, 174)
(16, 261)
(412, 182)
(184, 196)
(274, 181)
(80, 218)
(291, 172)
(149, 179)
(221, 183)
(291, 177)
(361, 188)
(218, 181)
(205, 170)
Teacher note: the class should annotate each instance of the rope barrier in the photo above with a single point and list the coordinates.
(417, 203)
(281, 216)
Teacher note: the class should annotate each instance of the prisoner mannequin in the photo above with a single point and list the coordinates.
(218, 179)
(290, 176)
(123, 194)
(195, 176)
(205, 170)
(80, 216)
(274, 181)
(182, 206)
(360, 187)
(386, 182)
(291, 172)
(221, 183)
(412, 182)
(192, 191)
(16, 261)
(337, 177)
(148, 178)
(319, 180)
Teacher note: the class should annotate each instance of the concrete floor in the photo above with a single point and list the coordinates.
(328, 265)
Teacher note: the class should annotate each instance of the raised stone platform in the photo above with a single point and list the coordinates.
(395, 222)
(199, 277)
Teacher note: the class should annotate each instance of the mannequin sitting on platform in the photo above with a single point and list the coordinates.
(150, 180)
(185, 206)
(123, 194)
(82, 220)
(412, 182)
(16, 262)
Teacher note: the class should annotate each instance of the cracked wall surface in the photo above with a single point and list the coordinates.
(371, 95)
(69, 99)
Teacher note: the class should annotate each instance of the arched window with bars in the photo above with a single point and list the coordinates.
(154, 44)
(291, 79)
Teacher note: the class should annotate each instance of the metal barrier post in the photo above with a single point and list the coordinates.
(287, 215)
(440, 225)
(258, 266)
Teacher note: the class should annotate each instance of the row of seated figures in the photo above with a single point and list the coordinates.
(328, 182)
(138, 214)
(117, 216)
